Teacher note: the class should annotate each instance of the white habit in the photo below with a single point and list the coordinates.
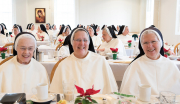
(161, 75)
(114, 43)
(64, 51)
(96, 41)
(16, 77)
(91, 70)
(3, 40)
(46, 37)
(125, 39)
(50, 32)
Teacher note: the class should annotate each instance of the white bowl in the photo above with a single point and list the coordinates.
(173, 57)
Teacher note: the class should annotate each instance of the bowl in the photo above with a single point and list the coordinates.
(173, 57)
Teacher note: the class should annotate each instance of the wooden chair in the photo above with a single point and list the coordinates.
(98, 46)
(54, 69)
(6, 59)
(176, 49)
(7, 45)
(59, 45)
(54, 42)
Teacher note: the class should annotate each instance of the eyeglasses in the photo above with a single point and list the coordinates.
(29, 49)
(79, 40)
(152, 42)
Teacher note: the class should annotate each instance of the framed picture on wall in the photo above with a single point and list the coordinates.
(40, 15)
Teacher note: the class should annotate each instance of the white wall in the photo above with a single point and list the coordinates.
(168, 20)
(117, 12)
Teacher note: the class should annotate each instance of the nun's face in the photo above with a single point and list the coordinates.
(91, 32)
(126, 31)
(39, 30)
(60, 27)
(47, 26)
(98, 29)
(81, 44)
(105, 36)
(67, 31)
(33, 27)
(25, 49)
(16, 31)
(117, 28)
(151, 46)
(54, 27)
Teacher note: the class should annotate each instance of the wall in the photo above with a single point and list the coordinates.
(168, 20)
(117, 12)
(47, 4)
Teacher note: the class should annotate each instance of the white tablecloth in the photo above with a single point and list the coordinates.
(46, 49)
(129, 51)
(42, 43)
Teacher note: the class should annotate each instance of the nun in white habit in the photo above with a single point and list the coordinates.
(64, 32)
(32, 29)
(5, 29)
(84, 67)
(123, 35)
(48, 29)
(64, 50)
(111, 41)
(22, 72)
(42, 32)
(96, 39)
(150, 67)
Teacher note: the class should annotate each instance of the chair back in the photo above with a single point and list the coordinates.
(176, 48)
(54, 69)
(59, 45)
(6, 59)
(8, 47)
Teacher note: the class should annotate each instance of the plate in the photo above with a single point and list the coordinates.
(99, 98)
(35, 99)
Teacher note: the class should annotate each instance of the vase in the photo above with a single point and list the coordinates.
(114, 56)
(129, 45)
(3, 55)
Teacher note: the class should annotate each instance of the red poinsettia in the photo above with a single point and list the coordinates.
(11, 36)
(3, 49)
(166, 54)
(129, 41)
(86, 94)
(60, 40)
(114, 50)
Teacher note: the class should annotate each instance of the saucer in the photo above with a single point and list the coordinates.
(35, 99)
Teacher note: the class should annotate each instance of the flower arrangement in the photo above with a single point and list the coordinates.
(3, 49)
(129, 43)
(11, 35)
(60, 40)
(42, 37)
(114, 50)
(166, 54)
(84, 97)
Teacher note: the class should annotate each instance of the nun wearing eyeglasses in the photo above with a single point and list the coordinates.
(96, 39)
(84, 66)
(65, 31)
(111, 41)
(42, 32)
(22, 72)
(3, 39)
(150, 67)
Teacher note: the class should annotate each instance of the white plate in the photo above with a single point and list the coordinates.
(35, 99)
(99, 97)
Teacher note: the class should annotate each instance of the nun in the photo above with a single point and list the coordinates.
(96, 39)
(65, 30)
(28, 27)
(111, 41)
(64, 50)
(16, 30)
(54, 30)
(123, 35)
(150, 67)
(42, 32)
(32, 29)
(5, 29)
(48, 29)
(83, 66)
(3, 39)
(22, 73)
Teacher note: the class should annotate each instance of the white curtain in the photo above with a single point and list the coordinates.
(149, 12)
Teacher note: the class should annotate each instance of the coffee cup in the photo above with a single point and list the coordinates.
(41, 91)
(144, 92)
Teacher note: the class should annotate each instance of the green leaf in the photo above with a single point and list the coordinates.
(85, 101)
(77, 101)
(94, 101)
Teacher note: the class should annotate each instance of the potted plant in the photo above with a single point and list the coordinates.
(129, 43)
(3, 50)
(60, 40)
(42, 37)
(115, 52)
(85, 97)
(135, 36)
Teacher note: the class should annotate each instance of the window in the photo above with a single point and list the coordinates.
(177, 29)
(64, 12)
(6, 13)
(149, 12)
